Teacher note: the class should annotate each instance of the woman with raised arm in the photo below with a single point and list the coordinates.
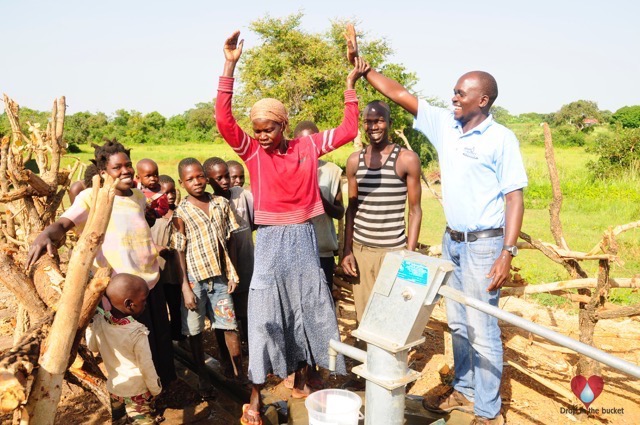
(291, 314)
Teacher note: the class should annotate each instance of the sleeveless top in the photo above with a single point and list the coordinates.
(382, 196)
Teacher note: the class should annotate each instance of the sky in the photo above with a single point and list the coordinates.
(166, 56)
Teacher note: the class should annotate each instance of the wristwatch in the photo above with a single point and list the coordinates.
(511, 249)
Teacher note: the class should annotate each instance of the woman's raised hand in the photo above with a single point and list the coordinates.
(233, 48)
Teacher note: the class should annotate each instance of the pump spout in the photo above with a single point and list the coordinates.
(336, 347)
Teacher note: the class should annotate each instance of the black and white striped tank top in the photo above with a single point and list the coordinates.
(382, 197)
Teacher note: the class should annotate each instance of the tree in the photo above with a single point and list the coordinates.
(532, 117)
(121, 118)
(575, 113)
(307, 72)
(200, 118)
(98, 127)
(5, 127)
(76, 128)
(137, 129)
(176, 123)
(154, 120)
(501, 114)
(627, 116)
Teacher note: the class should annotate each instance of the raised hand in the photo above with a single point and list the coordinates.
(233, 48)
(360, 68)
(352, 43)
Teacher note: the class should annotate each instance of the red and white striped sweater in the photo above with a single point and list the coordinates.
(284, 186)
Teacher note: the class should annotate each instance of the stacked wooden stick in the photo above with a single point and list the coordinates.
(53, 309)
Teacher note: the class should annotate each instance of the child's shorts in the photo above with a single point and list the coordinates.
(212, 300)
(131, 410)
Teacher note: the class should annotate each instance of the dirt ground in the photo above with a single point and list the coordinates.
(525, 401)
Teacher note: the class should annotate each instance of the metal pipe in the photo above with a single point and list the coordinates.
(385, 406)
(577, 346)
(336, 347)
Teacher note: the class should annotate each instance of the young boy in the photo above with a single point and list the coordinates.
(329, 181)
(169, 277)
(241, 241)
(236, 173)
(203, 224)
(148, 183)
(132, 380)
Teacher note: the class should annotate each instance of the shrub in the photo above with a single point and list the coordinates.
(568, 136)
(627, 116)
(618, 153)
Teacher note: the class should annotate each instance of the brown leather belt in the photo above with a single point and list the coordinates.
(474, 236)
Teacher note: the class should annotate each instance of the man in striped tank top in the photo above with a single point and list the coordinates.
(381, 178)
(483, 177)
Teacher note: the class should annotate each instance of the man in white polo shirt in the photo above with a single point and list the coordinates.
(482, 180)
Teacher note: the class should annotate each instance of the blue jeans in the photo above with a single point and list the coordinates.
(477, 348)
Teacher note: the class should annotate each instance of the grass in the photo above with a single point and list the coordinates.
(589, 207)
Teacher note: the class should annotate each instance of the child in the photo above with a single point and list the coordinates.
(241, 241)
(203, 225)
(147, 176)
(169, 278)
(127, 246)
(80, 185)
(292, 317)
(132, 380)
(236, 173)
(329, 181)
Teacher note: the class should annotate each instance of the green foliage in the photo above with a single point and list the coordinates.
(528, 133)
(154, 120)
(566, 135)
(618, 154)
(5, 127)
(26, 116)
(575, 113)
(501, 115)
(132, 127)
(420, 144)
(606, 115)
(531, 117)
(307, 72)
(627, 116)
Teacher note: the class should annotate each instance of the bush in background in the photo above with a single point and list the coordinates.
(618, 153)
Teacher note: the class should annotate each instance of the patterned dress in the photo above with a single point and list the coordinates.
(291, 313)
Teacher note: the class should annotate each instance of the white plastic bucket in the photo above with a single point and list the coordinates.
(333, 407)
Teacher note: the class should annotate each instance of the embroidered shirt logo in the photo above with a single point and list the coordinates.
(470, 152)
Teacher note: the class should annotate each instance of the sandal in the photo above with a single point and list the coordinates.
(253, 415)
